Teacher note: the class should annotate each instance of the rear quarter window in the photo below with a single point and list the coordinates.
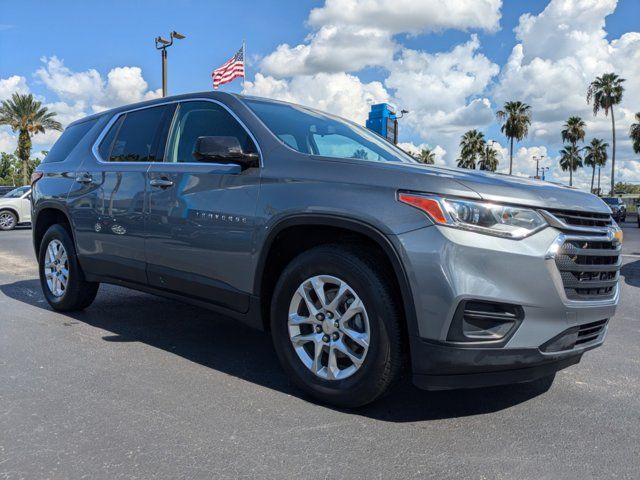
(68, 141)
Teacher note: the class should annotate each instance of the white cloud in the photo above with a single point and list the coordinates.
(350, 35)
(8, 140)
(338, 93)
(414, 149)
(89, 90)
(332, 49)
(560, 51)
(12, 84)
(414, 16)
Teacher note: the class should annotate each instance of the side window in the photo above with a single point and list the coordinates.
(336, 145)
(202, 119)
(68, 141)
(134, 136)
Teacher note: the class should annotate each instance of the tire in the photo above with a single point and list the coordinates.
(8, 220)
(382, 359)
(77, 293)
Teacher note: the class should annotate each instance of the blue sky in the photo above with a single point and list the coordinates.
(103, 36)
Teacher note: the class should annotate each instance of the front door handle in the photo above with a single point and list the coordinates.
(161, 182)
(84, 178)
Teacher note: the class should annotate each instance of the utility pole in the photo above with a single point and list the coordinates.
(162, 44)
(537, 159)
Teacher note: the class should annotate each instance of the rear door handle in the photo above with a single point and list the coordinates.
(84, 178)
(161, 182)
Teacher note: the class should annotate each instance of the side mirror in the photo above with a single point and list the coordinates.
(223, 149)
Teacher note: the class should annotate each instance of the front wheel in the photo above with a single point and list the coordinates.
(61, 277)
(8, 220)
(335, 325)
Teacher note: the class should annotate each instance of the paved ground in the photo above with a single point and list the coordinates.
(141, 387)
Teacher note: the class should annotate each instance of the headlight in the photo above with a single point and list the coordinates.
(482, 217)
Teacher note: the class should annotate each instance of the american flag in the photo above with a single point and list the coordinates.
(232, 69)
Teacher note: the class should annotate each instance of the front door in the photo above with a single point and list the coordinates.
(108, 208)
(199, 226)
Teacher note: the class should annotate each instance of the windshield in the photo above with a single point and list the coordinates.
(315, 133)
(17, 192)
(611, 201)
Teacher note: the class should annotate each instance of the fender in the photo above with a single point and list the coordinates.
(370, 231)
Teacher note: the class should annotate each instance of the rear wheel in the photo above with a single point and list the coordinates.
(61, 277)
(8, 220)
(336, 326)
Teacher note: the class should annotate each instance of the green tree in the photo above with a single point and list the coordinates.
(629, 188)
(426, 156)
(472, 146)
(570, 160)
(573, 130)
(595, 156)
(7, 168)
(360, 153)
(27, 117)
(634, 133)
(489, 159)
(515, 118)
(605, 92)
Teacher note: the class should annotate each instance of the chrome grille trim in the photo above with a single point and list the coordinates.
(581, 222)
(588, 265)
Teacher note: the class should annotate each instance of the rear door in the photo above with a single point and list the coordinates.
(108, 211)
(201, 214)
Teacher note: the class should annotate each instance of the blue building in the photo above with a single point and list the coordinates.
(384, 121)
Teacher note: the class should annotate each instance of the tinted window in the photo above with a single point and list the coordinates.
(68, 141)
(203, 119)
(316, 133)
(612, 201)
(17, 192)
(133, 138)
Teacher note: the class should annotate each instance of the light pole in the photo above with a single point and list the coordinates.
(537, 159)
(543, 170)
(163, 44)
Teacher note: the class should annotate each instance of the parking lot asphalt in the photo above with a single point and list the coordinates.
(142, 387)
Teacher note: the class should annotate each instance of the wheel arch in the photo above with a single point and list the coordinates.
(46, 216)
(295, 223)
(12, 210)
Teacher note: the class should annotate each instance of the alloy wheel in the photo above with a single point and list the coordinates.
(7, 220)
(329, 327)
(56, 268)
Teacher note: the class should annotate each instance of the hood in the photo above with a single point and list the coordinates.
(501, 188)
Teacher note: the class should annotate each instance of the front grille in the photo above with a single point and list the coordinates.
(589, 267)
(583, 219)
(590, 332)
(588, 255)
(576, 337)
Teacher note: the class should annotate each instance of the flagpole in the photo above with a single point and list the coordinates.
(244, 59)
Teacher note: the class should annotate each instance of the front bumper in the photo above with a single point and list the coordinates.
(447, 266)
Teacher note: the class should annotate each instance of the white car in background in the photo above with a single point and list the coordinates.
(15, 208)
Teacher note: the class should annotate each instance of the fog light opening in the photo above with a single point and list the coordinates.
(481, 321)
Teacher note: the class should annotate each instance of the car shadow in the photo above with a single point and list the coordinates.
(631, 273)
(223, 344)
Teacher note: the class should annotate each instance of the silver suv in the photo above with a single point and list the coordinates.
(363, 264)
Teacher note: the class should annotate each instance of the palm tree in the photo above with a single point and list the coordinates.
(570, 160)
(595, 156)
(606, 91)
(28, 117)
(573, 130)
(471, 148)
(515, 118)
(489, 160)
(427, 156)
(634, 133)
